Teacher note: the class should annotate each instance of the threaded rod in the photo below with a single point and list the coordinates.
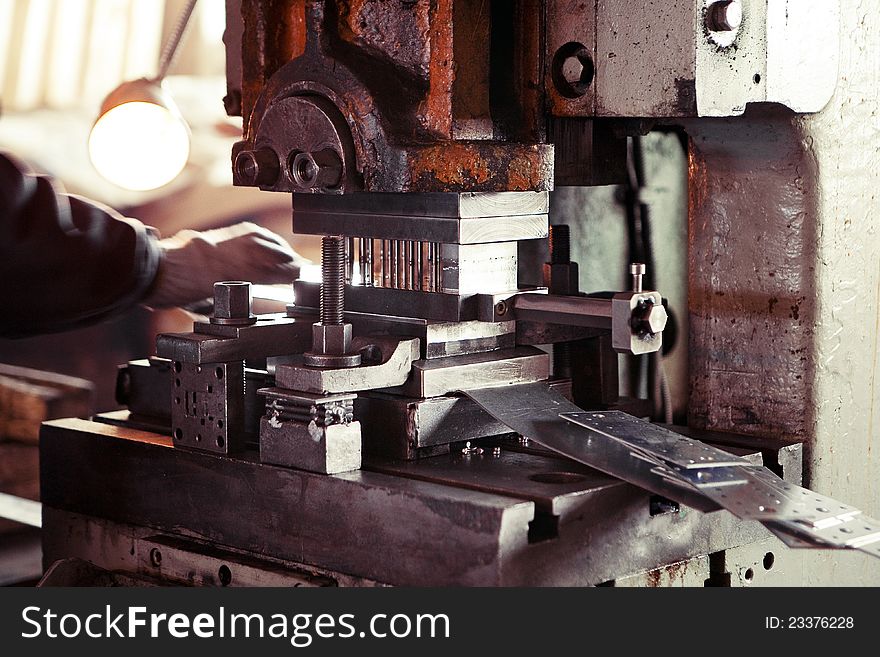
(560, 244)
(333, 264)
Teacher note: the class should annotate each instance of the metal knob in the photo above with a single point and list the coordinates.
(232, 303)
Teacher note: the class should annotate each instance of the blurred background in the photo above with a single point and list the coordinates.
(59, 59)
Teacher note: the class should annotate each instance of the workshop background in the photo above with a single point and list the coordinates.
(58, 60)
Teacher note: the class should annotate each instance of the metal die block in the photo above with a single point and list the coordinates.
(479, 268)
(207, 406)
(327, 449)
(432, 378)
(407, 428)
(142, 386)
(463, 230)
(437, 204)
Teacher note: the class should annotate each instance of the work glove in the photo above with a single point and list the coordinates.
(193, 261)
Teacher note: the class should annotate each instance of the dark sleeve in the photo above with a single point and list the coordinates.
(65, 261)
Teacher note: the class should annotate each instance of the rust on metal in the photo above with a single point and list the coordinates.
(476, 166)
(437, 94)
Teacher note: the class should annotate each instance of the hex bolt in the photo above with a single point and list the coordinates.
(319, 170)
(232, 303)
(724, 16)
(637, 270)
(648, 318)
(260, 168)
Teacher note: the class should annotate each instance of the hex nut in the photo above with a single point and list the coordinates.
(232, 300)
(561, 278)
(333, 339)
(319, 170)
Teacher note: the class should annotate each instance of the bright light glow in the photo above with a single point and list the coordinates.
(139, 145)
(310, 273)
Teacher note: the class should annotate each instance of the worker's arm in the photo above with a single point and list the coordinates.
(66, 262)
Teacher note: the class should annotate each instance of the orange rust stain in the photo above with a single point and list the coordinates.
(464, 165)
(452, 164)
(294, 40)
(520, 173)
(436, 110)
(274, 33)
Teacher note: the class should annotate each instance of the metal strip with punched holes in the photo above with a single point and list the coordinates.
(679, 467)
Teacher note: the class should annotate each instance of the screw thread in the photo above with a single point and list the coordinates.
(560, 244)
(562, 359)
(332, 280)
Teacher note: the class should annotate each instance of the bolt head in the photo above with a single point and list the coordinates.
(649, 318)
(577, 70)
(258, 168)
(725, 16)
(319, 170)
(657, 319)
(573, 70)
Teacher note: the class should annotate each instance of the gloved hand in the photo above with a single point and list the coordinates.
(193, 261)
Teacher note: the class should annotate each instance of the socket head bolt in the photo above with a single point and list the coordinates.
(573, 70)
(260, 168)
(637, 270)
(232, 304)
(724, 16)
(577, 69)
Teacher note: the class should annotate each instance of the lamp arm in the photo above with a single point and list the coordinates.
(169, 51)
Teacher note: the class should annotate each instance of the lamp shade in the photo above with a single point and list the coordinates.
(140, 140)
